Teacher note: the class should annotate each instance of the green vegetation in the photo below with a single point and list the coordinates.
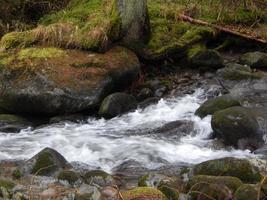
(40, 53)
(143, 193)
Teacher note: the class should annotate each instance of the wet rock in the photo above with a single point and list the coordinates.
(148, 102)
(109, 193)
(160, 91)
(247, 192)
(47, 162)
(13, 123)
(254, 59)
(239, 168)
(213, 105)
(251, 93)
(177, 128)
(233, 73)
(69, 176)
(143, 193)
(151, 180)
(67, 118)
(63, 81)
(217, 187)
(241, 127)
(117, 104)
(87, 192)
(99, 178)
(145, 93)
(208, 59)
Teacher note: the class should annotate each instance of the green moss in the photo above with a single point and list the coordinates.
(195, 49)
(247, 192)
(169, 192)
(16, 174)
(44, 164)
(11, 118)
(69, 176)
(239, 168)
(6, 184)
(143, 193)
(17, 39)
(238, 75)
(29, 53)
(142, 181)
(213, 105)
(216, 187)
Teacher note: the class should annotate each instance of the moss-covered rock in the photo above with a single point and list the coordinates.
(216, 187)
(248, 192)
(47, 162)
(55, 81)
(143, 193)
(117, 104)
(207, 59)
(254, 59)
(239, 168)
(237, 124)
(169, 192)
(98, 177)
(69, 176)
(237, 72)
(219, 103)
(13, 123)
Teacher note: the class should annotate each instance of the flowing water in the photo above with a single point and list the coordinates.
(108, 143)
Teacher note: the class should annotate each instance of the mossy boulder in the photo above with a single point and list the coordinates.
(47, 162)
(207, 59)
(143, 193)
(248, 192)
(219, 103)
(239, 168)
(98, 177)
(239, 126)
(69, 176)
(117, 104)
(216, 187)
(237, 72)
(88, 192)
(52, 81)
(13, 123)
(254, 59)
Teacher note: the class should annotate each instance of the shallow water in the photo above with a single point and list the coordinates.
(108, 143)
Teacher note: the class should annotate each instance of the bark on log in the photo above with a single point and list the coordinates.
(220, 28)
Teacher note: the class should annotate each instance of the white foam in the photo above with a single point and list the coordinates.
(108, 143)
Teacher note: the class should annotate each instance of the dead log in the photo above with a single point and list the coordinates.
(220, 28)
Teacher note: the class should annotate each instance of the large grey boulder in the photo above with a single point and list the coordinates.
(134, 20)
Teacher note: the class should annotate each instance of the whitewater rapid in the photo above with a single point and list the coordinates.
(108, 143)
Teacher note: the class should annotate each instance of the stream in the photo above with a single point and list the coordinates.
(106, 144)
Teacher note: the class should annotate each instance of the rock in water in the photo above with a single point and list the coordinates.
(47, 162)
(241, 127)
(134, 20)
(61, 81)
(254, 59)
(213, 105)
(117, 104)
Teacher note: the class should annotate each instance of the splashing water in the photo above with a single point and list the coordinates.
(108, 143)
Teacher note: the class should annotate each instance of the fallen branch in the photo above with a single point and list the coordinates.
(220, 28)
